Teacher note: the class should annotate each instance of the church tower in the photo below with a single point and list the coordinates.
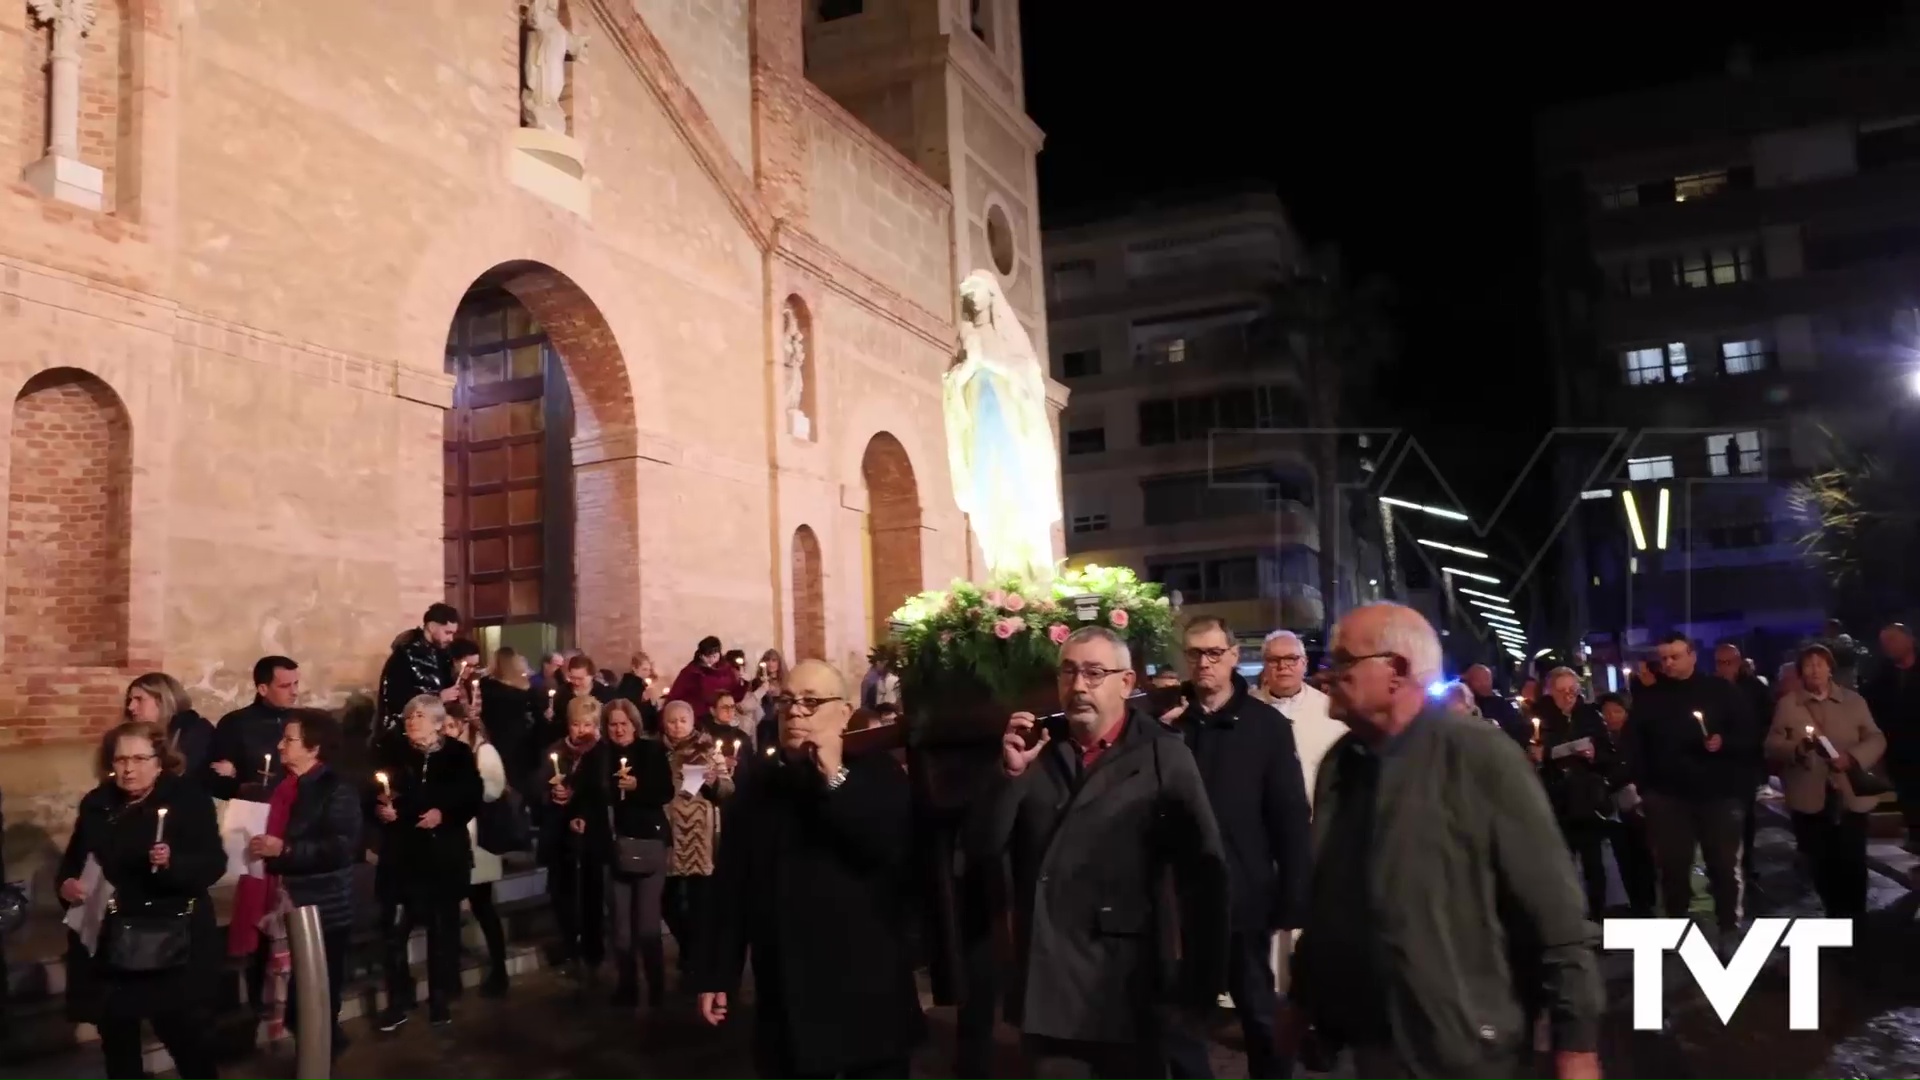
(940, 80)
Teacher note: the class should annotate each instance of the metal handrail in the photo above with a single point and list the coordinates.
(313, 1033)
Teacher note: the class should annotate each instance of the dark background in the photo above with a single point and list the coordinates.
(1405, 139)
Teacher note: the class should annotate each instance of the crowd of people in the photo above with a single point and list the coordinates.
(1347, 857)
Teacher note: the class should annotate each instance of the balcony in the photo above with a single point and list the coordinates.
(1892, 192)
(1291, 524)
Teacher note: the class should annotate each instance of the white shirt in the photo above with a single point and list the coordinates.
(1314, 732)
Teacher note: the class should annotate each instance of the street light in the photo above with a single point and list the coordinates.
(1450, 515)
(1502, 608)
(1487, 595)
(1468, 552)
(1457, 572)
(1633, 520)
(1660, 529)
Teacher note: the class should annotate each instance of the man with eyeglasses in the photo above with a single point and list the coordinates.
(1443, 908)
(810, 882)
(1283, 685)
(1252, 772)
(1101, 804)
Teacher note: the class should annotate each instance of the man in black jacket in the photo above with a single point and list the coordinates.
(247, 739)
(1732, 667)
(419, 664)
(1500, 710)
(1247, 759)
(1095, 813)
(1893, 697)
(811, 882)
(1701, 748)
(322, 843)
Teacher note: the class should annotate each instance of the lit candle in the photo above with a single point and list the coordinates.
(550, 692)
(266, 766)
(623, 772)
(476, 684)
(160, 828)
(770, 751)
(1536, 731)
(1700, 719)
(555, 758)
(386, 789)
(1809, 731)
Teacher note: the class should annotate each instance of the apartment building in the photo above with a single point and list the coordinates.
(1733, 269)
(1181, 452)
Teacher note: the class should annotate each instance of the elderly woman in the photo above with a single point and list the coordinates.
(487, 866)
(695, 820)
(429, 791)
(158, 698)
(1456, 698)
(147, 844)
(1829, 819)
(564, 815)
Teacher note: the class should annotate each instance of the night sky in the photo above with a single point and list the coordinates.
(1405, 140)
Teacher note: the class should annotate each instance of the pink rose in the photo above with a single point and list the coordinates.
(946, 637)
(1118, 618)
(1057, 633)
(1014, 602)
(996, 598)
(1003, 629)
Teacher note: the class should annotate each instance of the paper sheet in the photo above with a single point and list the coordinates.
(1567, 749)
(85, 918)
(693, 778)
(240, 822)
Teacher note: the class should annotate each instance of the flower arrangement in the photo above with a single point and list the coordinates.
(1007, 633)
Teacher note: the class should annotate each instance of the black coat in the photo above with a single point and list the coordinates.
(1576, 787)
(192, 737)
(552, 822)
(415, 666)
(813, 884)
(1893, 697)
(429, 865)
(555, 729)
(514, 723)
(119, 837)
(249, 737)
(322, 846)
(1502, 712)
(1091, 857)
(1673, 752)
(634, 689)
(1251, 768)
(641, 813)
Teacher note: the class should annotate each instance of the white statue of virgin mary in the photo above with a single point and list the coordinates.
(1006, 467)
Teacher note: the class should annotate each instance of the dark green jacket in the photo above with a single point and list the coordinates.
(1479, 918)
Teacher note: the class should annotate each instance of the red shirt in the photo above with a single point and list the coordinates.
(1090, 752)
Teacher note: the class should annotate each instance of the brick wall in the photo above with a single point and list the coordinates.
(67, 527)
(893, 508)
(707, 42)
(877, 210)
(809, 598)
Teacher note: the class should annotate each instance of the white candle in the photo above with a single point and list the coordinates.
(555, 758)
(1700, 719)
(160, 828)
(266, 766)
(385, 788)
(1536, 731)
(550, 692)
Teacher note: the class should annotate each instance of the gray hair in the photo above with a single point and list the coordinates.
(676, 704)
(428, 705)
(1282, 635)
(1101, 633)
(1406, 633)
(1459, 695)
(1559, 673)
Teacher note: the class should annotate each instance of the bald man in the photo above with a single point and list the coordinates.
(1439, 878)
(810, 884)
(1479, 680)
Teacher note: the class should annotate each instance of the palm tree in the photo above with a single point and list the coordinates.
(1863, 525)
(1339, 331)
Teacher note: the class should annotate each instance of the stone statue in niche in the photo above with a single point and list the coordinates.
(543, 72)
(793, 357)
(61, 174)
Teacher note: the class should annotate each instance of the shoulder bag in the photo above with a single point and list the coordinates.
(636, 856)
(144, 937)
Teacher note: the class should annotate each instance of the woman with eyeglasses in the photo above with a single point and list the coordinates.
(146, 845)
(487, 866)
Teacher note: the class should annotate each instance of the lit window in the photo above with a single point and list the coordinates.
(1735, 454)
(1177, 351)
(1743, 357)
(1699, 185)
(1650, 468)
(1643, 367)
(1086, 523)
(1691, 271)
(1731, 266)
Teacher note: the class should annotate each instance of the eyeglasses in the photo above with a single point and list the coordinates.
(1343, 662)
(1287, 660)
(1093, 673)
(131, 760)
(1211, 656)
(804, 705)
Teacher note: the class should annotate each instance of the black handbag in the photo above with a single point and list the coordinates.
(147, 937)
(636, 856)
(502, 825)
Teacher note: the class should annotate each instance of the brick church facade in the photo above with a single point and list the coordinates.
(304, 325)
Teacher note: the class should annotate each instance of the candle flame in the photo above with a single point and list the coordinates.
(163, 810)
(1809, 729)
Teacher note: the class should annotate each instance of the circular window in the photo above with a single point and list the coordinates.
(1000, 239)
